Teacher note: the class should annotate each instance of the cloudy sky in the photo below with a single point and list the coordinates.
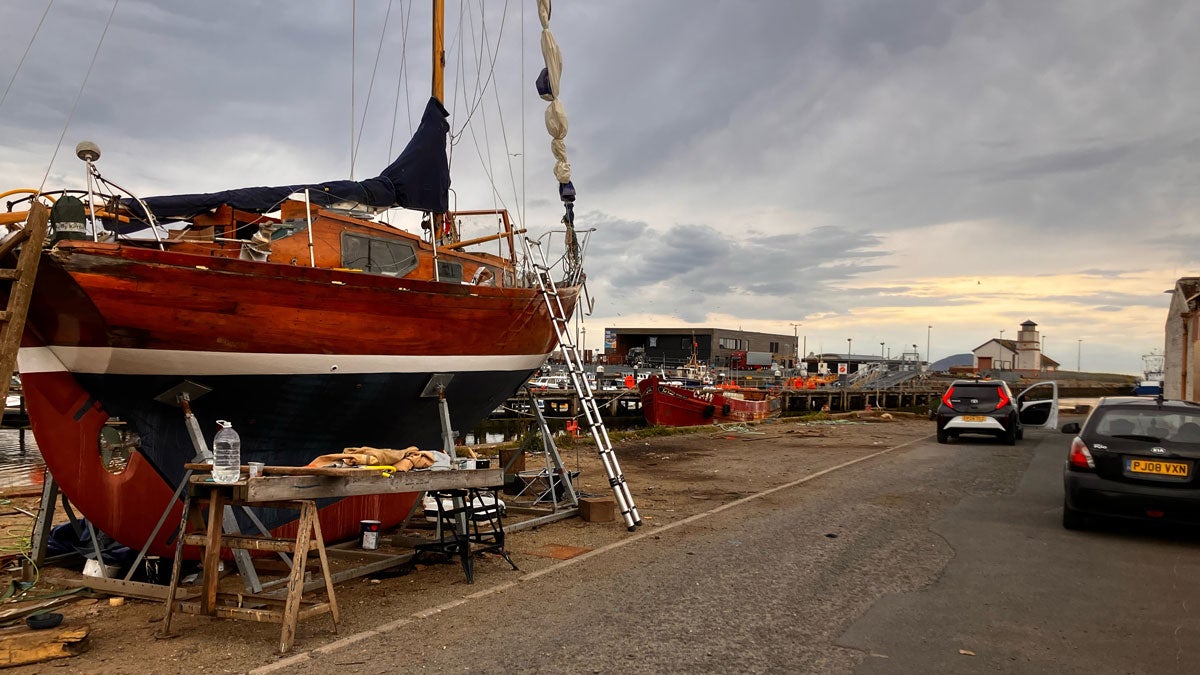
(866, 169)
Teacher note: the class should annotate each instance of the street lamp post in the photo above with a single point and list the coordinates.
(796, 343)
(928, 332)
(1078, 355)
(1001, 333)
(849, 352)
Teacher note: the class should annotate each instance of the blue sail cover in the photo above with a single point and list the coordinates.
(419, 179)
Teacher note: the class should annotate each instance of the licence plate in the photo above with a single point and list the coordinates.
(974, 418)
(1158, 467)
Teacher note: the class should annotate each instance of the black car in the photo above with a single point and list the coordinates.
(1134, 457)
(988, 407)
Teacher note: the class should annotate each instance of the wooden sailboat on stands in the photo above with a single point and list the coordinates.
(312, 326)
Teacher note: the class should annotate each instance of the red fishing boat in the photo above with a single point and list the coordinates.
(312, 326)
(675, 406)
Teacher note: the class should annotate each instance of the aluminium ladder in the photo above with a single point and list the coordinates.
(583, 388)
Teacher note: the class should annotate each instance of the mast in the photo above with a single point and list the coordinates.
(439, 51)
(439, 92)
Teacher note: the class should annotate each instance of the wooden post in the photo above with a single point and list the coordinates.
(212, 552)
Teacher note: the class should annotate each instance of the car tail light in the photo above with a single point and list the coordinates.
(1003, 398)
(946, 398)
(1080, 457)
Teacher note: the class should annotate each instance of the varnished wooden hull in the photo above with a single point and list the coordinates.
(303, 362)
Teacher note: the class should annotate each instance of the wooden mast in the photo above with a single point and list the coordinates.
(439, 51)
(439, 92)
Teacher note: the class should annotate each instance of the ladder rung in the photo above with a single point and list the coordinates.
(10, 273)
(5, 316)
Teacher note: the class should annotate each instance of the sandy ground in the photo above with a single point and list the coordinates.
(671, 478)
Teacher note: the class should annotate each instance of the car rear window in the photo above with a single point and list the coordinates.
(1148, 425)
(985, 393)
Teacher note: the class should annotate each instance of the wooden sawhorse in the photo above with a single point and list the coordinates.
(287, 610)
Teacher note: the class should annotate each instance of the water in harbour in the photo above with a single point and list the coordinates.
(20, 462)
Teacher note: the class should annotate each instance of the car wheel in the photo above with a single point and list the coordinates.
(1020, 433)
(1072, 519)
(943, 436)
(1011, 437)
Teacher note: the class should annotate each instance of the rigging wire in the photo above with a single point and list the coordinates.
(371, 87)
(521, 84)
(25, 53)
(491, 73)
(405, 22)
(353, 64)
(79, 94)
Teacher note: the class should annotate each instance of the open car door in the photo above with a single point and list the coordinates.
(1039, 405)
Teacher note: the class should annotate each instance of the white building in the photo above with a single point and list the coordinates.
(1181, 367)
(1023, 354)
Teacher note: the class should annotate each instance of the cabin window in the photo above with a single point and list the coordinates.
(378, 256)
(449, 271)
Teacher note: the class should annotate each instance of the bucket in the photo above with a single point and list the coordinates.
(370, 534)
(92, 569)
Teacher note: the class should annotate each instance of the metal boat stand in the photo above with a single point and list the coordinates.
(471, 530)
(551, 484)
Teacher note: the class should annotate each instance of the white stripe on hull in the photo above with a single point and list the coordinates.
(120, 361)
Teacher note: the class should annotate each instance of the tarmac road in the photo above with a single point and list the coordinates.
(894, 564)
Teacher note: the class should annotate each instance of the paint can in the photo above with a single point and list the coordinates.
(370, 534)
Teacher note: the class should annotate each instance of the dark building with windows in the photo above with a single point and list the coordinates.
(717, 347)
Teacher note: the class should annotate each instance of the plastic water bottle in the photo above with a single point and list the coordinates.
(227, 454)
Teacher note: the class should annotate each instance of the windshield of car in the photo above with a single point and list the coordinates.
(1148, 425)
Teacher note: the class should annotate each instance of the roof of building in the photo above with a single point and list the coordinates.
(1189, 288)
(1010, 345)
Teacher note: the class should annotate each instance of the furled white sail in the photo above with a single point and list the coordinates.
(556, 114)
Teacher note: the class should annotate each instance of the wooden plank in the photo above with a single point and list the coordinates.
(247, 541)
(35, 646)
(129, 589)
(295, 588)
(21, 293)
(317, 487)
(212, 551)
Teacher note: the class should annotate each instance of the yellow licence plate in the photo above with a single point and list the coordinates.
(1158, 467)
(974, 418)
